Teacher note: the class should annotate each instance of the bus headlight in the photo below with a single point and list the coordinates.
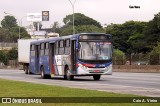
(82, 66)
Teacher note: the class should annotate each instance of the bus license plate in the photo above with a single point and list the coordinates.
(96, 71)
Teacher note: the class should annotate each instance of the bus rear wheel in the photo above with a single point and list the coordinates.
(96, 77)
(43, 76)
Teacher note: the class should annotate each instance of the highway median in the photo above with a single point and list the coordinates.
(61, 96)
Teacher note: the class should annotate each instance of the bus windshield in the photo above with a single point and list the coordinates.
(95, 50)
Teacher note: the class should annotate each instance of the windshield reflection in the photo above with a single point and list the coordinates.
(95, 50)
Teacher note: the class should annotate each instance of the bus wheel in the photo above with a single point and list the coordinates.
(96, 77)
(43, 74)
(68, 75)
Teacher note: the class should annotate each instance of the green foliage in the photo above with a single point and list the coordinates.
(154, 55)
(80, 19)
(25, 89)
(118, 57)
(83, 24)
(4, 35)
(10, 30)
(9, 55)
(24, 33)
(68, 30)
(89, 29)
(152, 31)
(3, 57)
(156, 50)
(128, 36)
(118, 53)
(9, 22)
(56, 27)
(12, 54)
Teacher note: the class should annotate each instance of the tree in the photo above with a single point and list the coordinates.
(154, 55)
(156, 50)
(128, 36)
(152, 31)
(35, 24)
(8, 22)
(4, 35)
(80, 19)
(81, 29)
(89, 29)
(24, 33)
(56, 27)
(137, 41)
(10, 30)
(83, 24)
(14, 33)
(66, 30)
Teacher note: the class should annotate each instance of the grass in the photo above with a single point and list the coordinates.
(25, 89)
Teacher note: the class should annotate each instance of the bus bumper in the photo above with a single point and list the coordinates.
(92, 71)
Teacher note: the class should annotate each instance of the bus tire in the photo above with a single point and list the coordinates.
(68, 75)
(48, 76)
(96, 77)
(43, 76)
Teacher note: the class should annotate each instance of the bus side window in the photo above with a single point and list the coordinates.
(32, 50)
(46, 51)
(67, 47)
(41, 49)
(61, 47)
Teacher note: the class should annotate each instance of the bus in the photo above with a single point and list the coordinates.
(84, 54)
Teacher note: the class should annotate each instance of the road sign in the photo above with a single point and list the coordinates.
(45, 15)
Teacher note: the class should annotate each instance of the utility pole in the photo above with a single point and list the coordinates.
(72, 4)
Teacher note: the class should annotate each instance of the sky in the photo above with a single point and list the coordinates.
(104, 11)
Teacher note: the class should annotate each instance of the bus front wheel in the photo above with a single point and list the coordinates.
(96, 77)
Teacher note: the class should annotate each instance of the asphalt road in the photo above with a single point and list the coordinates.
(145, 84)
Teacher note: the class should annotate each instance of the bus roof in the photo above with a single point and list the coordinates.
(75, 36)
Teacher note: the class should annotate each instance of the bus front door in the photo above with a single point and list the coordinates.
(73, 56)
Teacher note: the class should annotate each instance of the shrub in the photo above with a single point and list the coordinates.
(154, 55)
(118, 57)
(3, 57)
(12, 54)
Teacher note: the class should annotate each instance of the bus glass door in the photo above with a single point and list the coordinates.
(73, 56)
(51, 58)
(37, 59)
